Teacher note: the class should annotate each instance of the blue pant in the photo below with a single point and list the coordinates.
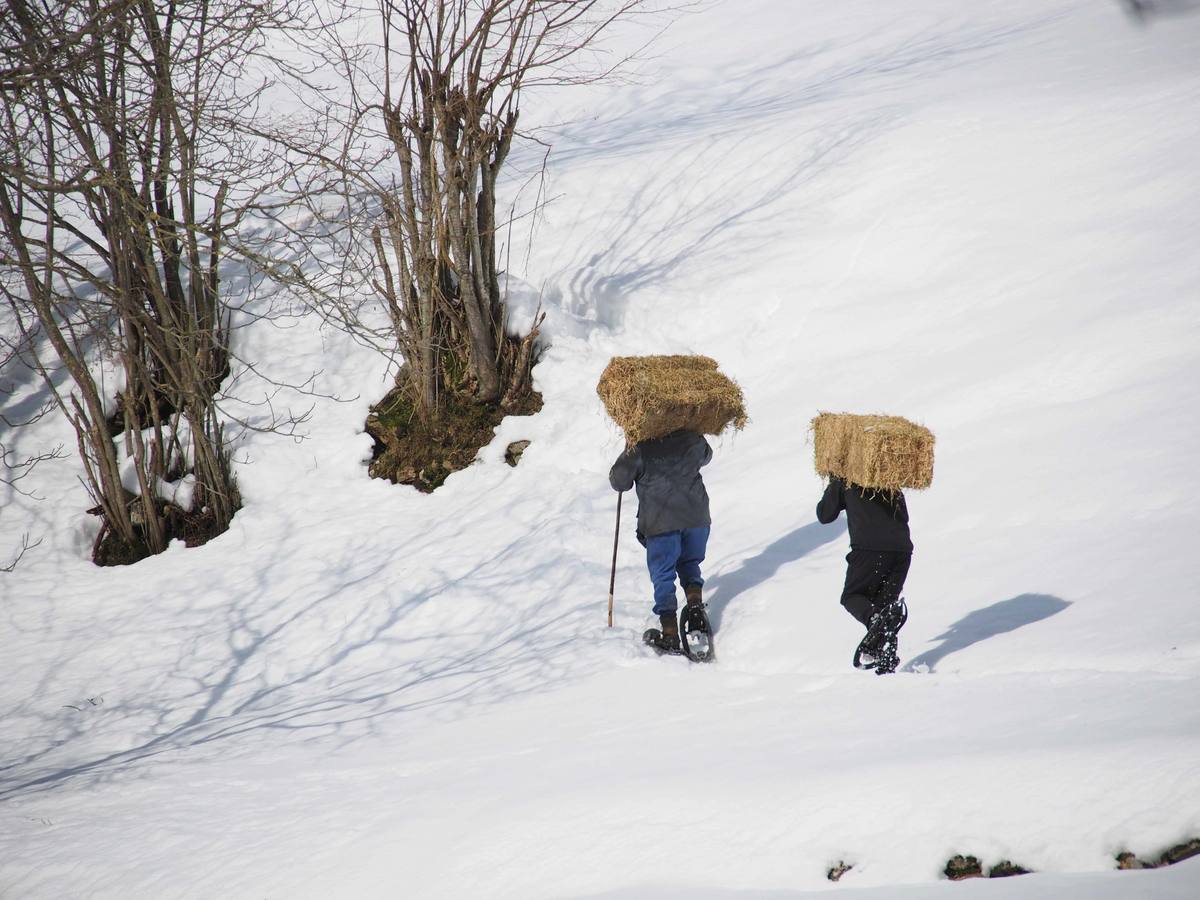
(676, 552)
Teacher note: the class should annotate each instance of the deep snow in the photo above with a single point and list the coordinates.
(980, 216)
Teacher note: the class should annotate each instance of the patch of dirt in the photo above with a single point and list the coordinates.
(193, 528)
(836, 872)
(1006, 869)
(1169, 857)
(410, 452)
(960, 867)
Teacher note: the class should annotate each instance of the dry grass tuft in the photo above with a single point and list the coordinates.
(885, 453)
(652, 396)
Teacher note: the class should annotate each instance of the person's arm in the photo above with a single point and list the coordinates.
(706, 453)
(832, 501)
(901, 508)
(626, 470)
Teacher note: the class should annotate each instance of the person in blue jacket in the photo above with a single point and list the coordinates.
(673, 520)
(876, 566)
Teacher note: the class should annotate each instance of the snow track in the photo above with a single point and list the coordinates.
(980, 216)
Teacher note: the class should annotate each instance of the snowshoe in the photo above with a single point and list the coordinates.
(879, 648)
(697, 634)
(663, 645)
(666, 639)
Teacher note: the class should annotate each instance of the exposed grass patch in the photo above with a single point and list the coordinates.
(409, 451)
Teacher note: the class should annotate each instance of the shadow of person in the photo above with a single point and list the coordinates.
(981, 624)
(719, 590)
(1142, 11)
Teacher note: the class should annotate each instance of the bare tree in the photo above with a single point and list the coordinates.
(400, 176)
(122, 176)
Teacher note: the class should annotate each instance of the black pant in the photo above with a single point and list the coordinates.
(874, 578)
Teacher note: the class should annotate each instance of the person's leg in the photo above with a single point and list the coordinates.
(862, 581)
(890, 614)
(662, 555)
(692, 545)
(891, 573)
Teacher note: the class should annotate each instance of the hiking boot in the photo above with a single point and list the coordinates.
(694, 594)
(669, 629)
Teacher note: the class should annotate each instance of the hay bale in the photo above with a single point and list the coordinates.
(652, 396)
(884, 453)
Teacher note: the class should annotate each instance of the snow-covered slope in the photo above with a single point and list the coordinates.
(980, 216)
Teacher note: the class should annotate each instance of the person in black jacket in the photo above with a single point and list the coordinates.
(876, 566)
(673, 520)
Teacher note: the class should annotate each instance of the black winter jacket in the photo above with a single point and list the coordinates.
(878, 521)
(671, 494)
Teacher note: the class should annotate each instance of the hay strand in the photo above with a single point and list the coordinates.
(884, 453)
(652, 396)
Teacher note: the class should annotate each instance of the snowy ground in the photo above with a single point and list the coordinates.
(981, 216)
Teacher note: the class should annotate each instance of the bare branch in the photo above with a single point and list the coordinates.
(26, 546)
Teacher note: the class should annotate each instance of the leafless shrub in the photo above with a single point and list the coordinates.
(398, 167)
(123, 175)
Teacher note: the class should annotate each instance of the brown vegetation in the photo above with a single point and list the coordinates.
(885, 453)
(652, 396)
(410, 450)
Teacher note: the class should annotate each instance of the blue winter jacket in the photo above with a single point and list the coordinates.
(671, 494)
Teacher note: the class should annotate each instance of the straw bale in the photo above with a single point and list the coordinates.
(884, 453)
(652, 396)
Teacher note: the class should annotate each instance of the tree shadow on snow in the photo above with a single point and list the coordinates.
(721, 589)
(981, 624)
(685, 224)
(355, 653)
(793, 118)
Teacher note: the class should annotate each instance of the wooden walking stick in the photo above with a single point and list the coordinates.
(612, 581)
